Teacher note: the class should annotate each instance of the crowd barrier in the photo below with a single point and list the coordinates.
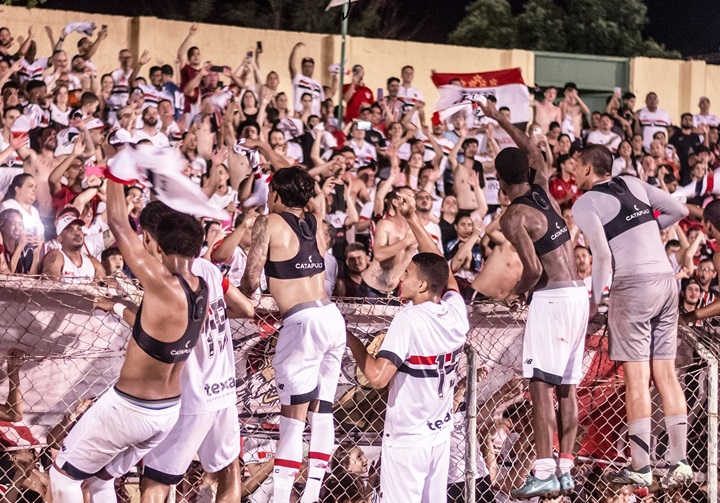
(74, 353)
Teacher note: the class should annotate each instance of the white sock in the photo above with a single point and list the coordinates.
(102, 491)
(64, 488)
(322, 437)
(288, 458)
(544, 468)
(565, 463)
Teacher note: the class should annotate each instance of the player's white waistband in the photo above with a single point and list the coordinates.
(306, 305)
(555, 285)
(155, 407)
(562, 293)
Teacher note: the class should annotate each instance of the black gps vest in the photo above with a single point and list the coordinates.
(557, 233)
(308, 261)
(633, 211)
(179, 350)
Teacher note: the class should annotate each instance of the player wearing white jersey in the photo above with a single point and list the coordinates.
(208, 422)
(418, 360)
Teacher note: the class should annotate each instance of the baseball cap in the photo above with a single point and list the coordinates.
(69, 209)
(308, 59)
(65, 222)
(95, 124)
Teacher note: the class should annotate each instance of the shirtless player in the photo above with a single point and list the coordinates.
(558, 315)
(289, 243)
(617, 218)
(393, 249)
(141, 408)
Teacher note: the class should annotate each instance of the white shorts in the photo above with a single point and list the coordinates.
(213, 436)
(114, 434)
(308, 355)
(555, 335)
(414, 474)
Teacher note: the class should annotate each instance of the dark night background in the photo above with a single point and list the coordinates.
(691, 27)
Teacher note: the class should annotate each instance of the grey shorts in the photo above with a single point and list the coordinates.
(643, 317)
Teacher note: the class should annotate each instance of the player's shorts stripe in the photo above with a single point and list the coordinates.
(162, 477)
(286, 463)
(76, 473)
(304, 398)
(546, 377)
(319, 455)
(419, 373)
(388, 355)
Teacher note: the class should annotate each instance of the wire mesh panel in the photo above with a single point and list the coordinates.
(71, 354)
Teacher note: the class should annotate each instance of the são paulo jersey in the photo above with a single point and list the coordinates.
(424, 342)
(121, 89)
(208, 377)
(651, 123)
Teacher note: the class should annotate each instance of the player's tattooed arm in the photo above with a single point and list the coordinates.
(256, 256)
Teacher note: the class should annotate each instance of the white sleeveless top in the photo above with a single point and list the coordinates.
(74, 274)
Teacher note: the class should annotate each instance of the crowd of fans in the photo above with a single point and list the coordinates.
(59, 113)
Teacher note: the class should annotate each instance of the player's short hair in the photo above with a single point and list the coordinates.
(512, 166)
(152, 214)
(711, 213)
(294, 186)
(433, 268)
(180, 234)
(599, 157)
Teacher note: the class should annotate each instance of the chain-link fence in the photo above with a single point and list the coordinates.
(73, 354)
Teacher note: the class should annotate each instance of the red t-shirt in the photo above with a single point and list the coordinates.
(62, 198)
(362, 96)
(187, 73)
(560, 188)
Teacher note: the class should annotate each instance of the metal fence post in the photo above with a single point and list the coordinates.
(471, 418)
(712, 462)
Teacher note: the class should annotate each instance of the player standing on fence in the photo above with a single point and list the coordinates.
(617, 217)
(558, 316)
(289, 244)
(141, 408)
(418, 359)
(208, 422)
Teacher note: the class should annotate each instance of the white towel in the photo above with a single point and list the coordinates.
(84, 28)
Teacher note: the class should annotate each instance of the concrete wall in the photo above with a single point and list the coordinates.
(679, 84)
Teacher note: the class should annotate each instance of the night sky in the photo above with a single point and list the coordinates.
(691, 26)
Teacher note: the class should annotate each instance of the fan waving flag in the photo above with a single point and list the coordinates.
(161, 170)
(507, 86)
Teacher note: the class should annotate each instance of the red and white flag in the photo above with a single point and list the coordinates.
(507, 86)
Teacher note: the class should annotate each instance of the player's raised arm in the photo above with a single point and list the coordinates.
(256, 256)
(535, 158)
(143, 265)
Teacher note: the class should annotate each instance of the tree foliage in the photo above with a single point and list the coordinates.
(607, 27)
(488, 23)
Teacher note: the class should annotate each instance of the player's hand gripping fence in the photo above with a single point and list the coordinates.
(74, 354)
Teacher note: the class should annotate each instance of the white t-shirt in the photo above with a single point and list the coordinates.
(619, 165)
(58, 116)
(158, 139)
(331, 272)
(424, 342)
(257, 450)
(74, 274)
(301, 85)
(208, 378)
(364, 154)
(31, 221)
(611, 141)
(410, 95)
(710, 120)
(458, 441)
(651, 123)
(32, 71)
(152, 97)
(121, 89)
(434, 230)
